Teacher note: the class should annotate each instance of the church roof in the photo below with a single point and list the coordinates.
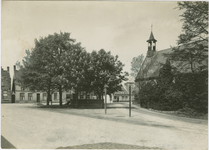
(151, 66)
(151, 38)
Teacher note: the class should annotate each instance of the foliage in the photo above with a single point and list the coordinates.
(136, 64)
(183, 85)
(195, 21)
(25, 60)
(58, 63)
(194, 40)
(188, 90)
(195, 90)
(148, 96)
(44, 71)
(104, 69)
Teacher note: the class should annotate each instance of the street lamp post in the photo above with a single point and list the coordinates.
(129, 100)
(129, 83)
(105, 98)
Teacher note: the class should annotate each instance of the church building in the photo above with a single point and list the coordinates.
(155, 60)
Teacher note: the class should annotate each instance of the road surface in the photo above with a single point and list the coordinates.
(29, 127)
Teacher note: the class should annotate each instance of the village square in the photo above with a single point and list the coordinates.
(132, 90)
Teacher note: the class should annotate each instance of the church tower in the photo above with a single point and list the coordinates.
(151, 45)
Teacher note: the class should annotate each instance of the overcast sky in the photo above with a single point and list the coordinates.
(119, 27)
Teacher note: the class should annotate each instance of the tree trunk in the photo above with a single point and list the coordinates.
(60, 94)
(48, 97)
(48, 93)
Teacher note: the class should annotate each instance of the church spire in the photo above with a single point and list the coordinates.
(151, 43)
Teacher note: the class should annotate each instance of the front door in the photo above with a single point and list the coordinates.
(118, 99)
(38, 98)
(13, 98)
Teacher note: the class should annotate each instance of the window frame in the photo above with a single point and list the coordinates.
(44, 96)
(55, 96)
(22, 98)
(30, 96)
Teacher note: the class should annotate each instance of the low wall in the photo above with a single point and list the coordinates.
(88, 103)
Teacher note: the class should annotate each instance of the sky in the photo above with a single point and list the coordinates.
(121, 27)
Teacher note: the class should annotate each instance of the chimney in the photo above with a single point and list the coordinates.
(14, 68)
(8, 69)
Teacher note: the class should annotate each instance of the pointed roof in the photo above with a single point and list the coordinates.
(151, 38)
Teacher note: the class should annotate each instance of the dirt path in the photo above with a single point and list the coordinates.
(28, 127)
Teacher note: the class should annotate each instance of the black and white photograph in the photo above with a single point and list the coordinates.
(104, 74)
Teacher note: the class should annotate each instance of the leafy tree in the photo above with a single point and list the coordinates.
(58, 63)
(136, 65)
(105, 69)
(45, 71)
(195, 21)
(165, 76)
(25, 60)
(194, 89)
(193, 41)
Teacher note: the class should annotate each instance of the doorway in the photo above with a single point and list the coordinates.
(13, 98)
(38, 97)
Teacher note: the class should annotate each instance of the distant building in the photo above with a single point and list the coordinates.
(22, 95)
(5, 86)
(123, 94)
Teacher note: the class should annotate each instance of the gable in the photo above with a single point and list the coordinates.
(151, 65)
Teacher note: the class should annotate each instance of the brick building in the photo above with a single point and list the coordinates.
(5, 86)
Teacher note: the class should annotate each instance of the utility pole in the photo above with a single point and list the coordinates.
(129, 100)
(130, 83)
(105, 99)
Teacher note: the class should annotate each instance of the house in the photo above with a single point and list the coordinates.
(123, 94)
(154, 61)
(5, 86)
(21, 95)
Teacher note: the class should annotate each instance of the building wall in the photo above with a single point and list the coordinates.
(19, 90)
(123, 97)
(8, 99)
(5, 86)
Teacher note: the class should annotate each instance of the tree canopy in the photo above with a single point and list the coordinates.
(58, 63)
(193, 42)
(136, 64)
(195, 21)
